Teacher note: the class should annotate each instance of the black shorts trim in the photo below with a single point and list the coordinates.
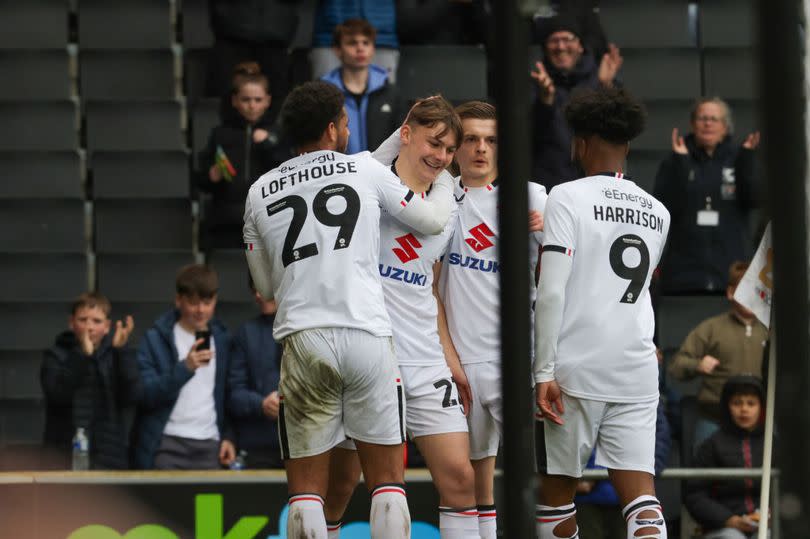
(540, 455)
(400, 403)
(282, 433)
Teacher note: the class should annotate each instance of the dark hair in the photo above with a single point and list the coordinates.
(308, 111)
(433, 110)
(197, 280)
(476, 110)
(353, 27)
(246, 73)
(736, 272)
(612, 114)
(91, 300)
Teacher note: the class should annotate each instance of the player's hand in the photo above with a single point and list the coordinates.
(86, 343)
(740, 523)
(270, 405)
(535, 221)
(544, 83)
(214, 174)
(122, 332)
(260, 135)
(227, 452)
(751, 142)
(678, 145)
(463, 387)
(707, 364)
(197, 358)
(610, 65)
(549, 398)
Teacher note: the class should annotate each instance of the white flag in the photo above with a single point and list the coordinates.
(755, 290)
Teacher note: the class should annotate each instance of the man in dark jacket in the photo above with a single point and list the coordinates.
(183, 358)
(89, 380)
(729, 509)
(253, 375)
(708, 185)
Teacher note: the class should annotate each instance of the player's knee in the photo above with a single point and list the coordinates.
(458, 481)
(645, 518)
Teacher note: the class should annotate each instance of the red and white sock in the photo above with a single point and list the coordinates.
(333, 528)
(458, 523)
(487, 522)
(390, 517)
(306, 518)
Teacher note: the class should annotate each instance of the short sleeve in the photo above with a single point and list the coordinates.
(560, 223)
(250, 232)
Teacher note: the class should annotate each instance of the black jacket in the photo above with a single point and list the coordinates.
(96, 392)
(255, 21)
(712, 502)
(698, 257)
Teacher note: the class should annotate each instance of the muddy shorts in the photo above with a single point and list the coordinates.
(338, 383)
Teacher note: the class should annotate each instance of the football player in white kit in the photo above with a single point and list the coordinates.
(470, 288)
(312, 235)
(595, 365)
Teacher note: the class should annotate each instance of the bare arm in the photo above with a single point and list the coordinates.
(450, 352)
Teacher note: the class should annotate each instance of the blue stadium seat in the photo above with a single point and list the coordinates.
(133, 125)
(126, 74)
(140, 174)
(35, 75)
(33, 24)
(124, 24)
(41, 174)
(458, 72)
(146, 276)
(42, 276)
(29, 125)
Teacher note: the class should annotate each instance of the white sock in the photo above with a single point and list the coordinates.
(390, 517)
(306, 518)
(634, 522)
(461, 523)
(487, 522)
(549, 518)
(333, 529)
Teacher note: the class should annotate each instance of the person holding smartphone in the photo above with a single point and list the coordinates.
(181, 422)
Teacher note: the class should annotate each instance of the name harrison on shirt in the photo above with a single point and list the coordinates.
(630, 216)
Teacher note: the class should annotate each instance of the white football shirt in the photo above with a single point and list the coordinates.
(615, 233)
(470, 277)
(316, 217)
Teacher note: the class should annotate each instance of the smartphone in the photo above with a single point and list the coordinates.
(203, 334)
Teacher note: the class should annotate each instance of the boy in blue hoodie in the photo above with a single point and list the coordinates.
(371, 100)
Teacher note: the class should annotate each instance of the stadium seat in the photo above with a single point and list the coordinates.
(123, 74)
(204, 118)
(19, 372)
(55, 225)
(31, 325)
(124, 24)
(458, 72)
(33, 24)
(745, 114)
(133, 125)
(642, 166)
(21, 420)
(196, 28)
(727, 23)
(41, 174)
(661, 73)
(644, 23)
(234, 313)
(233, 274)
(195, 74)
(138, 174)
(35, 75)
(42, 276)
(28, 125)
(678, 315)
(140, 276)
(662, 116)
(127, 225)
(144, 313)
(730, 73)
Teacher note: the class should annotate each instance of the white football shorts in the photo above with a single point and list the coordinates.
(337, 383)
(433, 403)
(486, 412)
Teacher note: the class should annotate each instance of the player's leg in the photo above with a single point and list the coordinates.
(307, 479)
(344, 473)
(484, 470)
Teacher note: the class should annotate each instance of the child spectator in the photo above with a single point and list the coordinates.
(240, 150)
(253, 374)
(728, 509)
(718, 348)
(90, 380)
(371, 100)
(183, 357)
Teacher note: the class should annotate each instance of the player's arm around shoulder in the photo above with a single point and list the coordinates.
(388, 150)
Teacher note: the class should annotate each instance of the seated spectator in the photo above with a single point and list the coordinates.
(371, 100)
(707, 184)
(718, 348)
(728, 509)
(240, 150)
(183, 358)
(90, 380)
(566, 66)
(253, 374)
(381, 14)
(441, 22)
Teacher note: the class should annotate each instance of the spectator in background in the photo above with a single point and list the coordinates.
(441, 22)
(381, 14)
(240, 150)
(729, 509)
(707, 184)
(371, 100)
(584, 12)
(89, 380)
(183, 358)
(261, 30)
(253, 375)
(718, 348)
(567, 66)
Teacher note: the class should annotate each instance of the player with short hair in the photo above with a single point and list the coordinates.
(595, 368)
(312, 243)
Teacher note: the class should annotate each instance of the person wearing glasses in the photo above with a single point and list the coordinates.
(708, 183)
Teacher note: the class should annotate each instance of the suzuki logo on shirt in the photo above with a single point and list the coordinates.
(409, 245)
(480, 237)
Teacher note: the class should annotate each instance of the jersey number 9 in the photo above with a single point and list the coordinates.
(636, 275)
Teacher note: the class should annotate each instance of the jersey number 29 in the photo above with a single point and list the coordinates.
(637, 275)
(344, 221)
